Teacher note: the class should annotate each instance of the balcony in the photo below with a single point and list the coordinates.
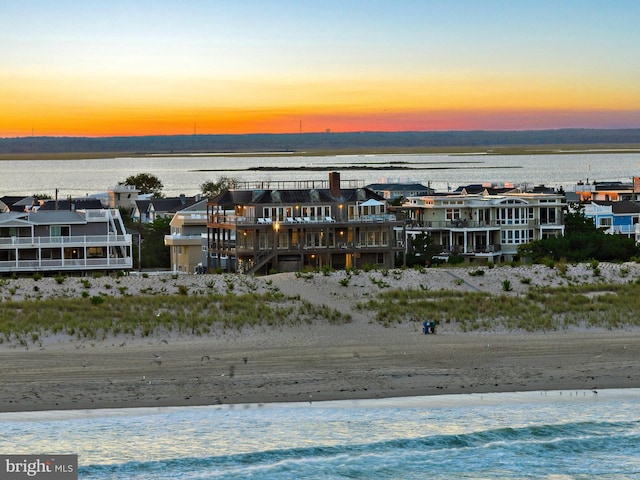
(66, 264)
(78, 241)
(178, 239)
(259, 221)
(482, 225)
(193, 218)
(454, 224)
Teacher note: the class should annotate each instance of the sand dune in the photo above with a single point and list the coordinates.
(361, 359)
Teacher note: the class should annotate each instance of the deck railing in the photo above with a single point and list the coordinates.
(66, 264)
(239, 220)
(85, 240)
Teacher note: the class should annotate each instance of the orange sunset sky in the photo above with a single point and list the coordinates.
(214, 67)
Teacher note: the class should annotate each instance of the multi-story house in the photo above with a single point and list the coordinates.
(268, 228)
(188, 238)
(608, 191)
(615, 218)
(147, 210)
(64, 240)
(487, 225)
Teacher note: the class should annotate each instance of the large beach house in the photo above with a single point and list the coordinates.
(486, 223)
(271, 228)
(64, 241)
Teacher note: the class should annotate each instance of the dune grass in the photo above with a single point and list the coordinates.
(541, 309)
(27, 322)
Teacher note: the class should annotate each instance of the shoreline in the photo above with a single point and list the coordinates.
(432, 401)
(546, 149)
(360, 359)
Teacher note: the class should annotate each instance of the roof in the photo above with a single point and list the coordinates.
(47, 217)
(294, 196)
(17, 203)
(612, 186)
(395, 187)
(199, 206)
(13, 219)
(78, 204)
(172, 204)
(621, 207)
(142, 205)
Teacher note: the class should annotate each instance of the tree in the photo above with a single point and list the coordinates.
(582, 241)
(576, 222)
(211, 189)
(154, 252)
(146, 183)
(421, 250)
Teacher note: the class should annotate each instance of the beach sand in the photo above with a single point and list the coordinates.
(361, 359)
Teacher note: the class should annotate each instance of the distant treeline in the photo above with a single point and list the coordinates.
(318, 141)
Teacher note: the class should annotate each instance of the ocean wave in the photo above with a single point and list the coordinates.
(576, 448)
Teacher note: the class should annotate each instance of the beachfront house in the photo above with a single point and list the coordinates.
(64, 241)
(271, 227)
(484, 223)
(615, 218)
(188, 238)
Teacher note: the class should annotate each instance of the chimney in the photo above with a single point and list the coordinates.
(334, 184)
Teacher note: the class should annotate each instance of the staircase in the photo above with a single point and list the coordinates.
(259, 261)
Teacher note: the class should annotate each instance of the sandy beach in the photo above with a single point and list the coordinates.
(320, 361)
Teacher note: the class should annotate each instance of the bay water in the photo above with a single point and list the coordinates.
(559, 434)
(548, 434)
(185, 174)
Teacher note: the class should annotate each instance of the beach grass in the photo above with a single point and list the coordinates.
(601, 305)
(28, 321)
(502, 300)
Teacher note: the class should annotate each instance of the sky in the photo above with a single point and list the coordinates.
(136, 67)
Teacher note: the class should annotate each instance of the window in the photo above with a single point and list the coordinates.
(59, 231)
(516, 237)
(453, 214)
(604, 222)
(513, 215)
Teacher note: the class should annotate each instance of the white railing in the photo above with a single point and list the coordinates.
(86, 240)
(66, 264)
(621, 230)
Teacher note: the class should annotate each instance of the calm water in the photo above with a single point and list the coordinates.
(185, 175)
(569, 434)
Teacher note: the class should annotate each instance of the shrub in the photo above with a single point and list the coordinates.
(60, 279)
(37, 276)
(97, 300)
(506, 285)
